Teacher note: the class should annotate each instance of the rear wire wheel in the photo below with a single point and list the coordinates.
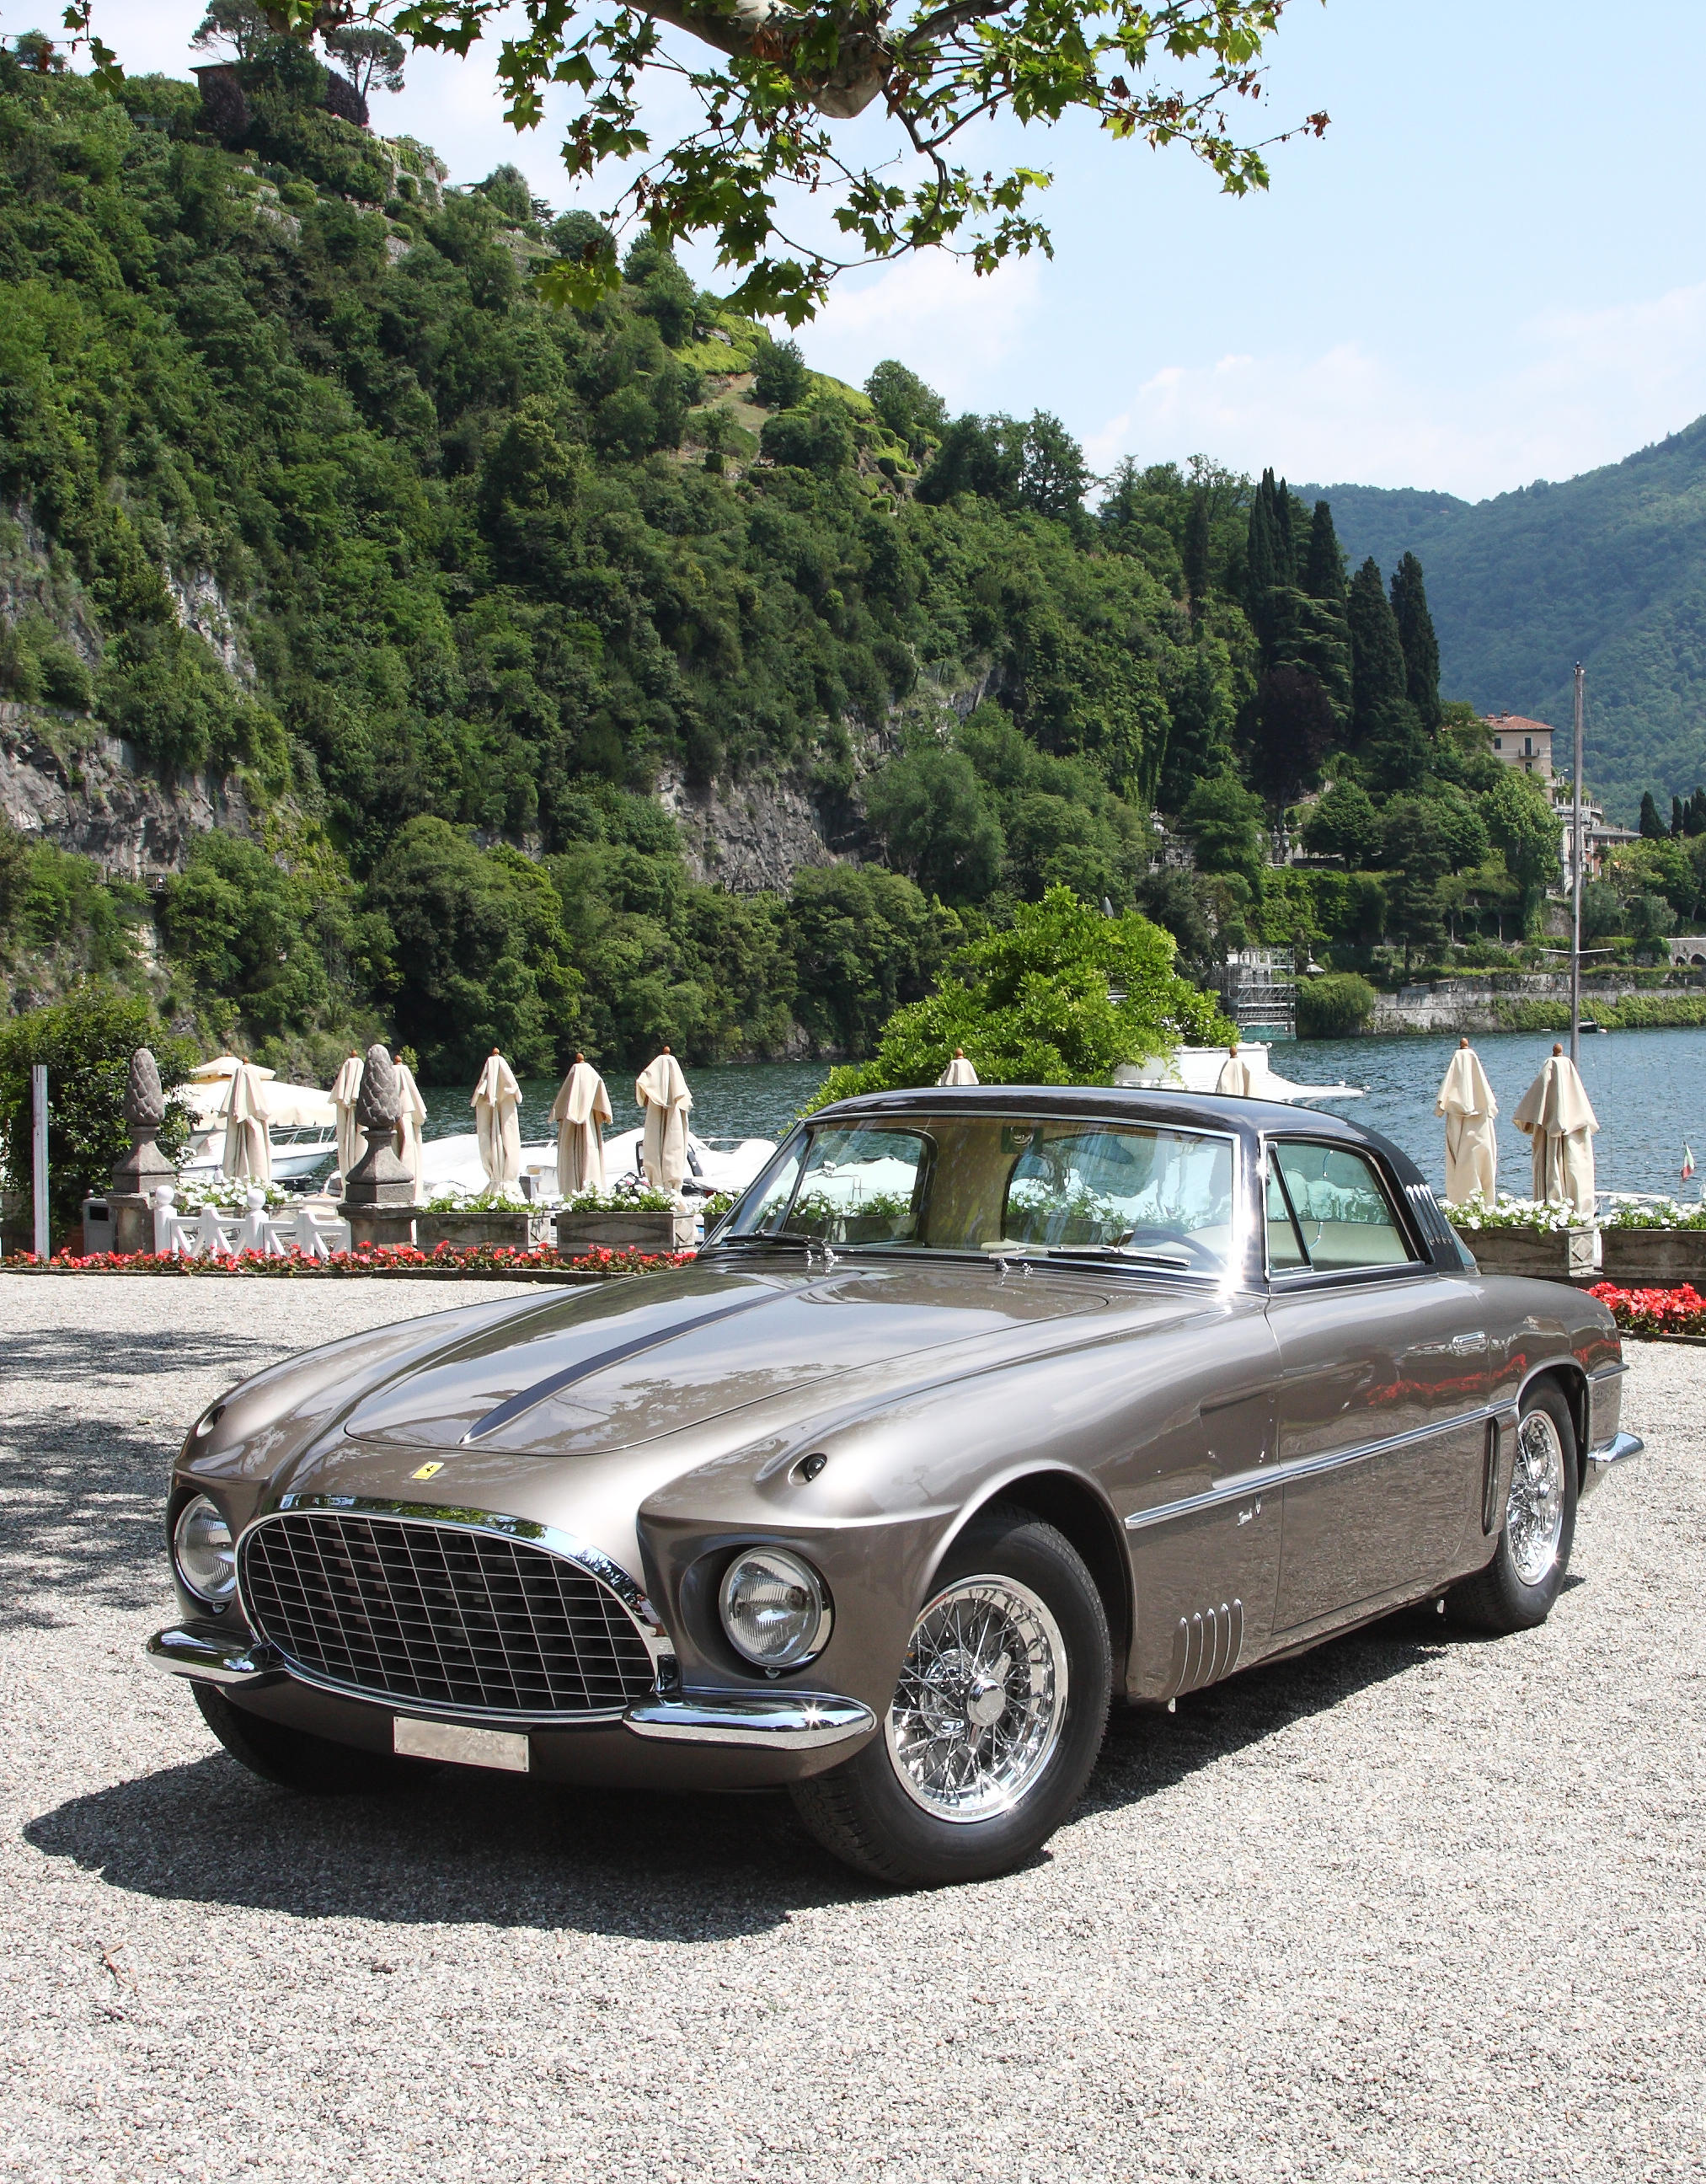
(995, 1722)
(1516, 1589)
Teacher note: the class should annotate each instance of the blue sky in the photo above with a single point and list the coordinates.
(1492, 269)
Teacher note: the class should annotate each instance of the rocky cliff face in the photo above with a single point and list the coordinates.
(746, 838)
(84, 792)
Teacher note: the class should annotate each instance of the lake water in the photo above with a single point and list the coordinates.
(1648, 1090)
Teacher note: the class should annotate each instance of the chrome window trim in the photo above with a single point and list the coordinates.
(1235, 1271)
(1403, 1220)
(592, 1561)
(1239, 1487)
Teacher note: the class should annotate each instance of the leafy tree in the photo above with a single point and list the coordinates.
(1652, 828)
(981, 455)
(1651, 918)
(913, 412)
(1521, 820)
(85, 1042)
(933, 814)
(1334, 1007)
(369, 55)
(865, 942)
(1197, 551)
(1052, 477)
(1324, 565)
(1602, 912)
(777, 80)
(1032, 1004)
(233, 29)
(1417, 640)
(1199, 739)
(1294, 733)
(1416, 908)
(1345, 824)
(779, 375)
(1224, 821)
(820, 438)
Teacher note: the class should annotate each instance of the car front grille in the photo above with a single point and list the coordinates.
(440, 1616)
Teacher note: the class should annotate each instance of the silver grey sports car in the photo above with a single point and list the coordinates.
(983, 1408)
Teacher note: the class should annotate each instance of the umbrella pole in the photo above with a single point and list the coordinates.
(1576, 876)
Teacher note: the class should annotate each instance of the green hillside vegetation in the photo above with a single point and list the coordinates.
(1608, 569)
(493, 570)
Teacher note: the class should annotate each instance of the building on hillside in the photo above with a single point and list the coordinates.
(1599, 836)
(1687, 951)
(1258, 990)
(1524, 743)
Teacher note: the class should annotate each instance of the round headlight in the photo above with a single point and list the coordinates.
(774, 1608)
(202, 1549)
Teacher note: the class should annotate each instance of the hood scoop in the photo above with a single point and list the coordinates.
(581, 1381)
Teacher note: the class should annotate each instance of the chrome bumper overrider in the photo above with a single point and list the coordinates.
(1600, 1460)
(795, 1721)
(214, 1656)
(762, 1721)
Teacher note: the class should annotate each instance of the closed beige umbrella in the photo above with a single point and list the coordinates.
(1556, 1113)
(959, 1071)
(582, 1104)
(1467, 1102)
(411, 1117)
(346, 1090)
(1236, 1076)
(248, 1149)
(661, 1090)
(497, 1103)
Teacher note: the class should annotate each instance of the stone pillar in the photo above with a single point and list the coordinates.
(144, 1169)
(378, 1199)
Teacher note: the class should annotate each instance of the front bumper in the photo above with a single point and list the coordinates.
(757, 1721)
(1618, 1450)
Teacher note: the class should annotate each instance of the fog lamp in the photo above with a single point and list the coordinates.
(774, 1608)
(204, 1550)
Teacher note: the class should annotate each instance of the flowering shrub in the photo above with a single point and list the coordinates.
(646, 1201)
(1653, 1213)
(495, 1198)
(1534, 1213)
(380, 1259)
(194, 1192)
(1654, 1311)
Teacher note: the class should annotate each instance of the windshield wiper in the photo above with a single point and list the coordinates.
(1102, 1253)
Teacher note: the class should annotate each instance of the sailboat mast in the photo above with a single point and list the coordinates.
(1575, 861)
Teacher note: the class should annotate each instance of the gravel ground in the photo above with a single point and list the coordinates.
(1408, 1907)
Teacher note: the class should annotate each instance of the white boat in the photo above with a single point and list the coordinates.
(1197, 1069)
(713, 1164)
(301, 1122)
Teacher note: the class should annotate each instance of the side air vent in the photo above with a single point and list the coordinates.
(1206, 1646)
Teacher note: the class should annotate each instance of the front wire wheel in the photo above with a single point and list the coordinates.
(1516, 1589)
(995, 1722)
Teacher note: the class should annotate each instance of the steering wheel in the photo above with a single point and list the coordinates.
(1200, 1254)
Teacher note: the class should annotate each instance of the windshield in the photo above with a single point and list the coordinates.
(976, 1183)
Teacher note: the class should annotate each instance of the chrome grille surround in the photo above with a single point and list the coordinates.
(457, 1614)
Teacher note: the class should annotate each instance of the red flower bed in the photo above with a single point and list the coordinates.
(388, 1258)
(1654, 1311)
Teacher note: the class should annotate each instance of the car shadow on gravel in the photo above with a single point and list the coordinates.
(486, 1850)
(77, 1356)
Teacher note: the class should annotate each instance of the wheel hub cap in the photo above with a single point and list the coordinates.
(1534, 1512)
(979, 1709)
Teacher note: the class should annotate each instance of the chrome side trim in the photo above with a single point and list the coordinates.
(1618, 1450)
(213, 1656)
(1611, 1371)
(1206, 1646)
(798, 1721)
(1237, 1486)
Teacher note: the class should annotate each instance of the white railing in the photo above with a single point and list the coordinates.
(218, 1233)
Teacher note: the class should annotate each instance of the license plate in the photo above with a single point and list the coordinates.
(462, 1747)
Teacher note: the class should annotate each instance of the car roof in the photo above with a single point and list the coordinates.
(1113, 1102)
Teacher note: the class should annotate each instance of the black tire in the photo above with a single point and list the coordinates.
(861, 1811)
(297, 1760)
(1501, 1599)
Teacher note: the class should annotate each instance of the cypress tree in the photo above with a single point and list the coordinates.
(1323, 567)
(1652, 826)
(1195, 555)
(1675, 817)
(1261, 553)
(1421, 648)
(1285, 544)
(1378, 673)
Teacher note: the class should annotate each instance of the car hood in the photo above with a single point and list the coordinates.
(588, 1374)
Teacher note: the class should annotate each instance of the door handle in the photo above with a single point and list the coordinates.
(1465, 1346)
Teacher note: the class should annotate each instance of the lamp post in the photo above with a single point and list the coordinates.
(38, 1155)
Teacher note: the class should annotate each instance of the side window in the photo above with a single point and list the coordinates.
(860, 1186)
(1284, 1245)
(1341, 1215)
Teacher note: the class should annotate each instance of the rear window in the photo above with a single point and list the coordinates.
(1327, 1212)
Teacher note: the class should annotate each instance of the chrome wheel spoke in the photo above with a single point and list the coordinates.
(980, 1699)
(1534, 1511)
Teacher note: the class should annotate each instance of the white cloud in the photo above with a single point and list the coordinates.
(1560, 393)
(934, 313)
